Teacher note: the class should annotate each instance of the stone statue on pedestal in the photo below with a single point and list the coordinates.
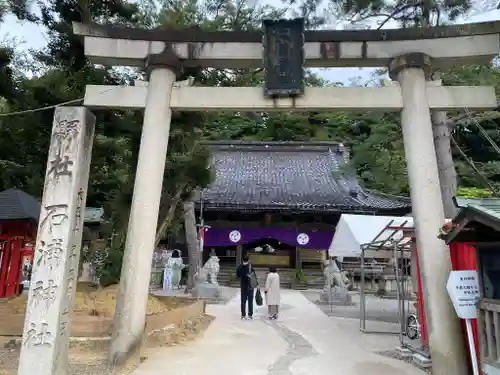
(336, 284)
(328, 272)
(173, 271)
(212, 268)
(335, 277)
(207, 285)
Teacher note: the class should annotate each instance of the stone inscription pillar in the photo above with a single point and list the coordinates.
(45, 342)
(445, 338)
(131, 304)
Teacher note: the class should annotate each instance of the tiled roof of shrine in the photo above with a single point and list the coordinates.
(290, 176)
(15, 204)
(478, 220)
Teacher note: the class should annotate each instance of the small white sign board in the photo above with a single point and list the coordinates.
(463, 288)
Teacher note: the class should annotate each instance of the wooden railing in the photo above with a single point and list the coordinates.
(488, 320)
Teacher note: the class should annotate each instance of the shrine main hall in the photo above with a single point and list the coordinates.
(280, 202)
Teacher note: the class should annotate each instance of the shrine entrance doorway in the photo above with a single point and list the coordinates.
(270, 252)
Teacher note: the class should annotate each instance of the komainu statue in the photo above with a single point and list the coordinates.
(334, 277)
(210, 270)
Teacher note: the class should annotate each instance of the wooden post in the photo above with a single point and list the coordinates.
(267, 219)
(239, 254)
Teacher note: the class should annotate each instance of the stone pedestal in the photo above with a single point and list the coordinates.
(86, 275)
(208, 291)
(336, 296)
(156, 279)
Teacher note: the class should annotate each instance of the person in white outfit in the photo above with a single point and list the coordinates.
(177, 265)
(272, 292)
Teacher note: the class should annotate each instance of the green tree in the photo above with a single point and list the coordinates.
(406, 13)
(65, 73)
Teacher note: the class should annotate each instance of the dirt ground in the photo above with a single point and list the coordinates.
(85, 360)
(90, 359)
(97, 301)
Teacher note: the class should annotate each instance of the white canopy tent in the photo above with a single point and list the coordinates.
(357, 236)
(354, 232)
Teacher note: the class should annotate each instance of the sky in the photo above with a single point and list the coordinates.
(28, 35)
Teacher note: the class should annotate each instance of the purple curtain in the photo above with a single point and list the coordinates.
(239, 236)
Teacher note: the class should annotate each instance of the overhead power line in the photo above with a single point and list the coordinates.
(26, 111)
(40, 109)
(469, 116)
(474, 167)
(484, 133)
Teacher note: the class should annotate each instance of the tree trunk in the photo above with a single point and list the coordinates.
(191, 242)
(446, 166)
(441, 129)
(166, 217)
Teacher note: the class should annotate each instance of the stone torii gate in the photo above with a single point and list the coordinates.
(411, 55)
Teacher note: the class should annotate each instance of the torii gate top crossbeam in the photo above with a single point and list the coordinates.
(447, 45)
(197, 35)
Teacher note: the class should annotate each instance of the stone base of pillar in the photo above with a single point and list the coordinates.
(130, 358)
(404, 352)
(422, 362)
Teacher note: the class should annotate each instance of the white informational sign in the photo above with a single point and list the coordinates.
(463, 288)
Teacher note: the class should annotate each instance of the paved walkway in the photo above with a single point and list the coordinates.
(303, 342)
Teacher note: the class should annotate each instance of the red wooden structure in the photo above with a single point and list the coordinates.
(463, 257)
(424, 336)
(15, 251)
(18, 226)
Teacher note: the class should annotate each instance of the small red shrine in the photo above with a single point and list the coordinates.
(19, 213)
(474, 234)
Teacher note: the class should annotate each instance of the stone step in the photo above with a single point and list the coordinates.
(315, 278)
(290, 272)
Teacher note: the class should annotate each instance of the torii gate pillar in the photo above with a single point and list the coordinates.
(131, 302)
(446, 342)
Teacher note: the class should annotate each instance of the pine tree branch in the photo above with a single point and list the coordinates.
(474, 167)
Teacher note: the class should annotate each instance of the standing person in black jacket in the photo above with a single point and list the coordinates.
(248, 279)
